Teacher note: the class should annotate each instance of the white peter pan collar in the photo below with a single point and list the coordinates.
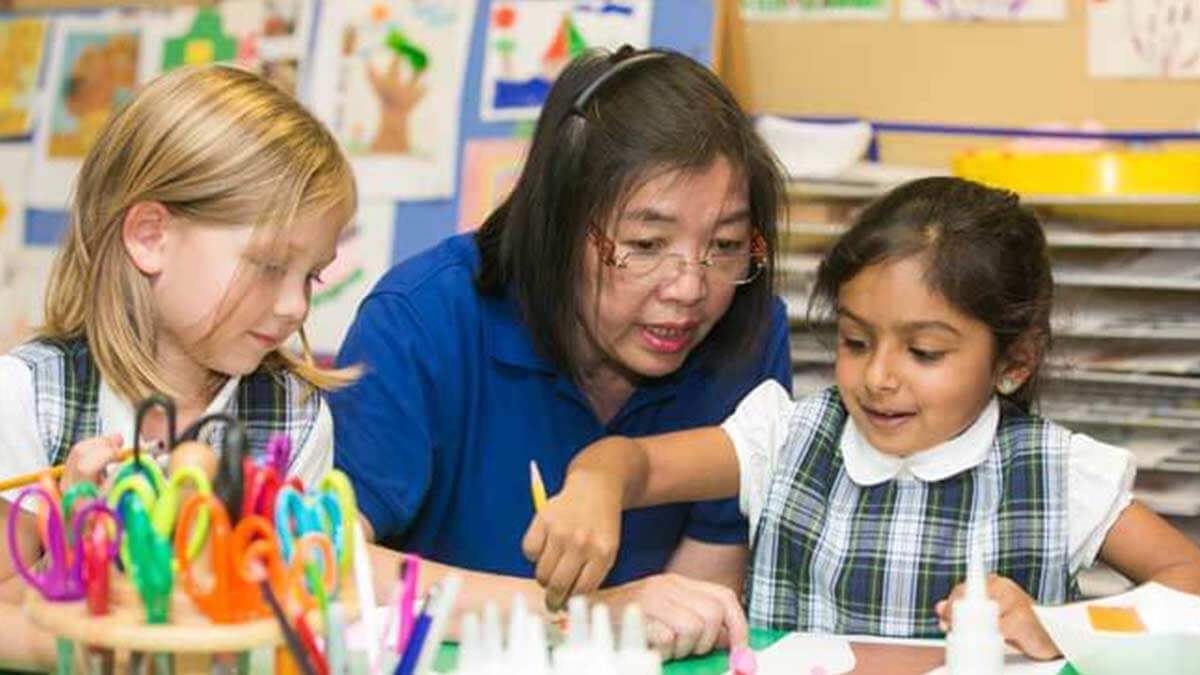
(867, 466)
(116, 415)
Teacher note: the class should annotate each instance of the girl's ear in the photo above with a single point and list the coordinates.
(144, 233)
(1019, 364)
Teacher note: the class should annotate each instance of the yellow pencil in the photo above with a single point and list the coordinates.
(536, 487)
(55, 472)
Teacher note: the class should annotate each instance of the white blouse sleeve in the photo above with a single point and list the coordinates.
(315, 458)
(21, 449)
(1099, 487)
(759, 432)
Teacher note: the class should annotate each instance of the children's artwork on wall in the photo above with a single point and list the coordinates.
(364, 253)
(769, 10)
(14, 167)
(1140, 38)
(388, 80)
(15, 319)
(23, 279)
(983, 10)
(528, 44)
(21, 44)
(491, 167)
(96, 64)
(269, 37)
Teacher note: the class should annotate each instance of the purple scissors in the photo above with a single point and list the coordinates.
(62, 576)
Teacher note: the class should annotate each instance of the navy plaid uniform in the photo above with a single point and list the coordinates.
(833, 556)
(66, 386)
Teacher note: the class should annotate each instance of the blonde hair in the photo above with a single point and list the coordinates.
(214, 145)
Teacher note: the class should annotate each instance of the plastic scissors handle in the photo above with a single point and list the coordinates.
(326, 586)
(231, 598)
(338, 484)
(151, 569)
(217, 601)
(58, 581)
(166, 507)
(124, 493)
(61, 579)
(261, 489)
(144, 466)
(294, 517)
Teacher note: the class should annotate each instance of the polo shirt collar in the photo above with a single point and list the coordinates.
(867, 466)
(507, 338)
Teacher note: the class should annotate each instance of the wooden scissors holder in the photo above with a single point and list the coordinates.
(190, 636)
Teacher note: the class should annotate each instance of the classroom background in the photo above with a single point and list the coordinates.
(1087, 107)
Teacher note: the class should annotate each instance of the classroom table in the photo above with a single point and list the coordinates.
(870, 659)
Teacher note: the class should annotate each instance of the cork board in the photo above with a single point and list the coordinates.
(993, 74)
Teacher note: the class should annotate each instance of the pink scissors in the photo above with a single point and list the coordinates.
(62, 577)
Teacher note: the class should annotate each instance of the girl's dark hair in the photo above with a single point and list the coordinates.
(986, 254)
(611, 122)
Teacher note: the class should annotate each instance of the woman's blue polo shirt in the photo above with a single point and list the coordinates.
(437, 435)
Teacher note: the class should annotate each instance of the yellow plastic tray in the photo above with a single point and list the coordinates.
(1115, 172)
(1150, 186)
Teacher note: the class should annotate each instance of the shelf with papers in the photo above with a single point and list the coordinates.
(1060, 235)
(804, 266)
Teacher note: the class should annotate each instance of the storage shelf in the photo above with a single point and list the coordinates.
(1056, 237)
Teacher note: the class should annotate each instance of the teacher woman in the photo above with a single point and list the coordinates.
(625, 287)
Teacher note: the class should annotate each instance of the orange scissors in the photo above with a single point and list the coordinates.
(240, 557)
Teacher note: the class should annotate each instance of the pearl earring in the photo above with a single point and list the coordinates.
(1007, 386)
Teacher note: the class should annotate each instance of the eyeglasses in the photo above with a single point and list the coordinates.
(658, 268)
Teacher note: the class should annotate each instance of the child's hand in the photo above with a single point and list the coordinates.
(1018, 624)
(88, 458)
(574, 538)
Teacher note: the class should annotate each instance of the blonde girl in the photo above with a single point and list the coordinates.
(200, 219)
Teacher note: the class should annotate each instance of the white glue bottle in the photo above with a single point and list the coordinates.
(633, 657)
(974, 644)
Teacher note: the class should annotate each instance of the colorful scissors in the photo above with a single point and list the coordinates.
(161, 502)
(151, 569)
(261, 488)
(337, 484)
(297, 514)
(240, 557)
(62, 576)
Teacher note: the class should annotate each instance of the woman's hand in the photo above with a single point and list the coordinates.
(575, 537)
(684, 616)
(1018, 624)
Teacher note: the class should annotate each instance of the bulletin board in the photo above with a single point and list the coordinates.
(970, 73)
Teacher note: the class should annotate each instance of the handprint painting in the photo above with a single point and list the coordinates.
(1144, 38)
(396, 79)
(984, 10)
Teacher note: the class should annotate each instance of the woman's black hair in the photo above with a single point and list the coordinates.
(611, 122)
(985, 253)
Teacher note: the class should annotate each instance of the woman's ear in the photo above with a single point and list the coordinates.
(144, 232)
(1020, 362)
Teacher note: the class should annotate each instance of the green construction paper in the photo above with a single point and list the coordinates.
(205, 27)
(417, 57)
